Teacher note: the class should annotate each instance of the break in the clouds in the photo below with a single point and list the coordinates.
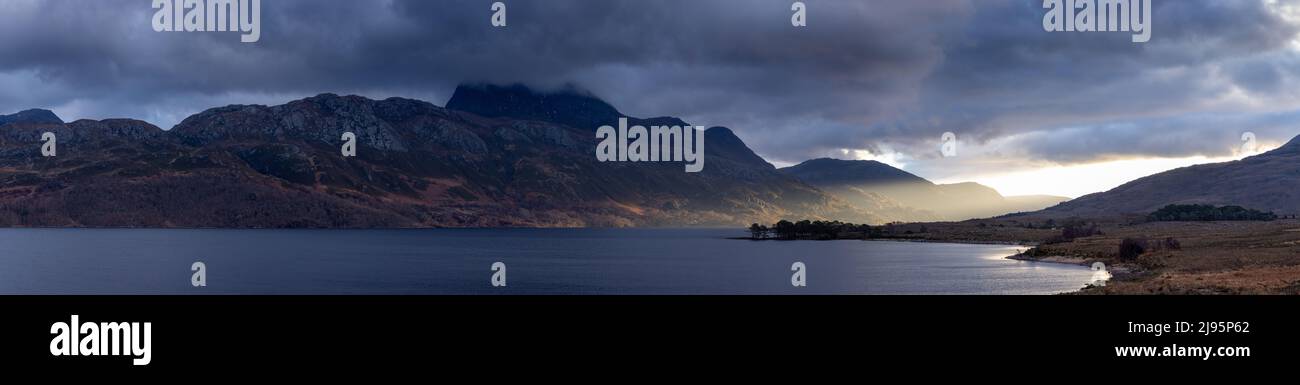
(884, 78)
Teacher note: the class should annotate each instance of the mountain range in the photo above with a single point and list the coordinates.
(900, 194)
(496, 156)
(504, 156)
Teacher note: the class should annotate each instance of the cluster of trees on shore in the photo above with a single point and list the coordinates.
(1070, 228)
(805, 229)
(827, 230)
(1208, 213)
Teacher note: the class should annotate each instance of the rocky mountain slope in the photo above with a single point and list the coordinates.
(500, 156)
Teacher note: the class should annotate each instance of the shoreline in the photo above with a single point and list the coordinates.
(1051, 259)
(1164, 257)
(1115, 271)
(915, 240)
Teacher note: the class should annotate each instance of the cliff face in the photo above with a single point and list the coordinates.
(505, 162)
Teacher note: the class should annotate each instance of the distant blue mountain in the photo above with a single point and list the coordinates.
(33, 116)
(868, 183)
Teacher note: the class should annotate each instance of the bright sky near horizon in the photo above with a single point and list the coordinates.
(1078, 180)
(1013, 177)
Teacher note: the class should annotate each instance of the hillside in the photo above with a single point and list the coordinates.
(417, 165)
(897, 193)
(1266, 182)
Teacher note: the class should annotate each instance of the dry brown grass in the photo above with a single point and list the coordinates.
(1214, 257)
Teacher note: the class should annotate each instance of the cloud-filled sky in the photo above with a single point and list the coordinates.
(878, 79)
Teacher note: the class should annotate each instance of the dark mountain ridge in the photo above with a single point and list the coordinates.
(578, 108)
(34, 116)
(417, 165)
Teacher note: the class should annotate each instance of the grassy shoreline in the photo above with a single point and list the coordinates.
(1209, 257)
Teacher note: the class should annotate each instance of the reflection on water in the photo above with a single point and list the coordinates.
(540, 261)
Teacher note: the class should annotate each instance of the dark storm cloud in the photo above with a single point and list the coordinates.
(1099, 94)
(862, 75)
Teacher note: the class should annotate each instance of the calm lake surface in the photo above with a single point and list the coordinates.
(539, 261)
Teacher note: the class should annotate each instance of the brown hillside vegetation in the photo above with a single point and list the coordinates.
(1227, 257)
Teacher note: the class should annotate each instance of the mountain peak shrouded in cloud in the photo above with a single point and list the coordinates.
(573, 106)
(35, 116)
(569, 105)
